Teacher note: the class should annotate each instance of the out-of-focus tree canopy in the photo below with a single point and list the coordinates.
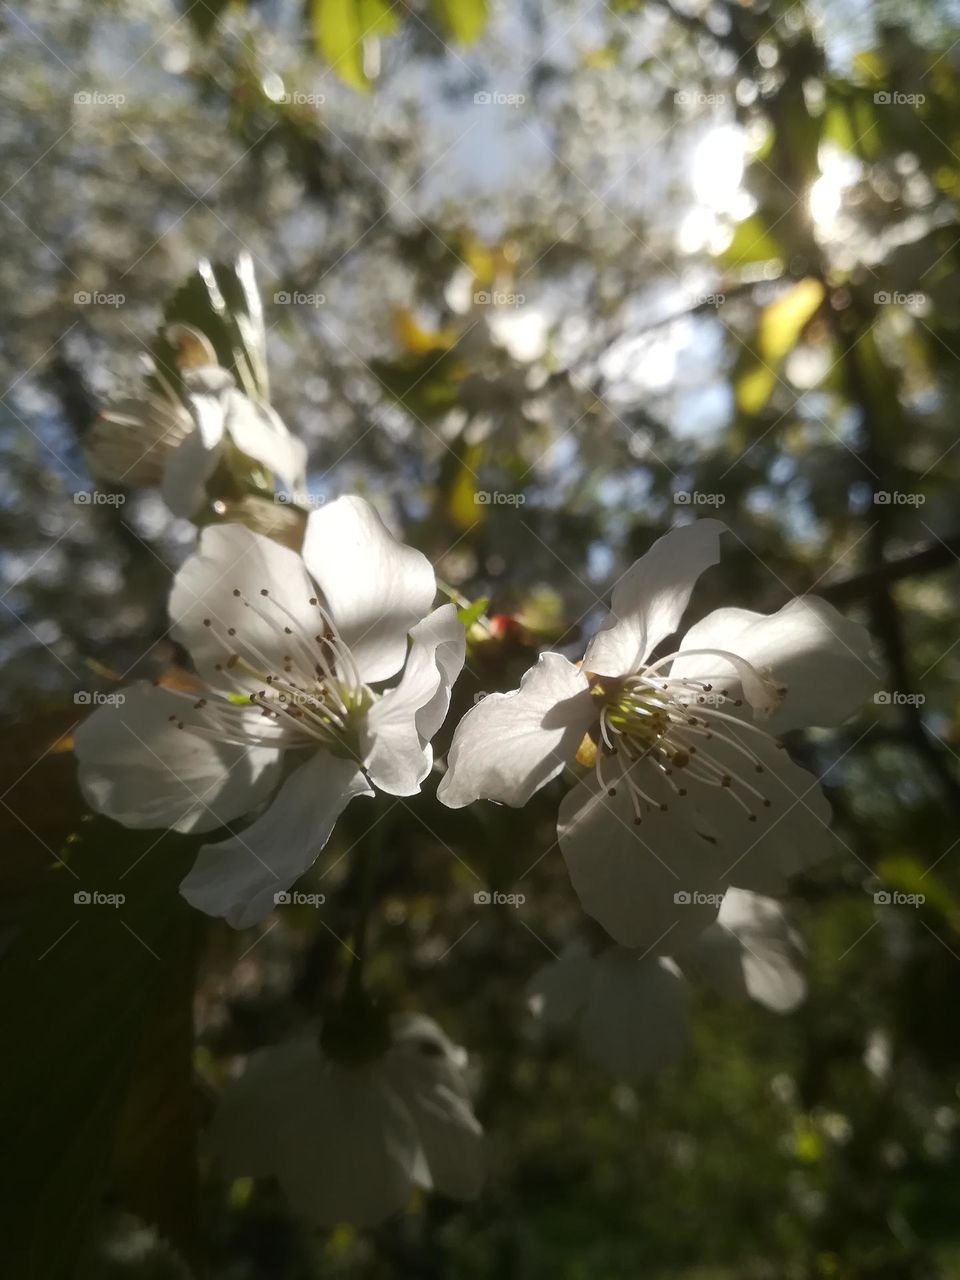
(540, 280)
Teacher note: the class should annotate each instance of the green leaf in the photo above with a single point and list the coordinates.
(463, 19)
(752, 242)
(779, 328)
(339, 30)
(908, 875)
(754, 387)
(473, 612)
(78, 993)
(783, 320)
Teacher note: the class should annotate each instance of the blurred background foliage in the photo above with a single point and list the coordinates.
(623, 261)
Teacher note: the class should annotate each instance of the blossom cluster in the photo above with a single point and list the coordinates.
(322, 673)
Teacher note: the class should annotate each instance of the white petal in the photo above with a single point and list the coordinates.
(138, 767)
(375, 587)
(190, 467)
(238, 878)
(132, 438)
(558, 991)
(399, 725)
(788, 836)
(338, 1139)
(359, 1165)
(230, 557)
(511, 744)
(257, 430)
(752, 951)
(823, 658)
(186, 472)
(423, 1068)
(649, 600)
(651, 886)
(635, 1020)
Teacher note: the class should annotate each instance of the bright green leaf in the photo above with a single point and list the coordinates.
(463, 19)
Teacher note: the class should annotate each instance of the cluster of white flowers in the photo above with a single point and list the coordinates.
(178, 441)
(689, 793)
(323, 674)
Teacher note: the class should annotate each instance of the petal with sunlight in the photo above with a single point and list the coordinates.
(399, 725)
(511, 744)
(375, 587)
(649, 600)
(139, 768)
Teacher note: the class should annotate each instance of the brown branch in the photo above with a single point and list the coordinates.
(861, 586)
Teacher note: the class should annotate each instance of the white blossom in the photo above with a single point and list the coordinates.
(179, 443)
(629, 1009)
(348, 1142)
(689, 794)
(290, 718)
